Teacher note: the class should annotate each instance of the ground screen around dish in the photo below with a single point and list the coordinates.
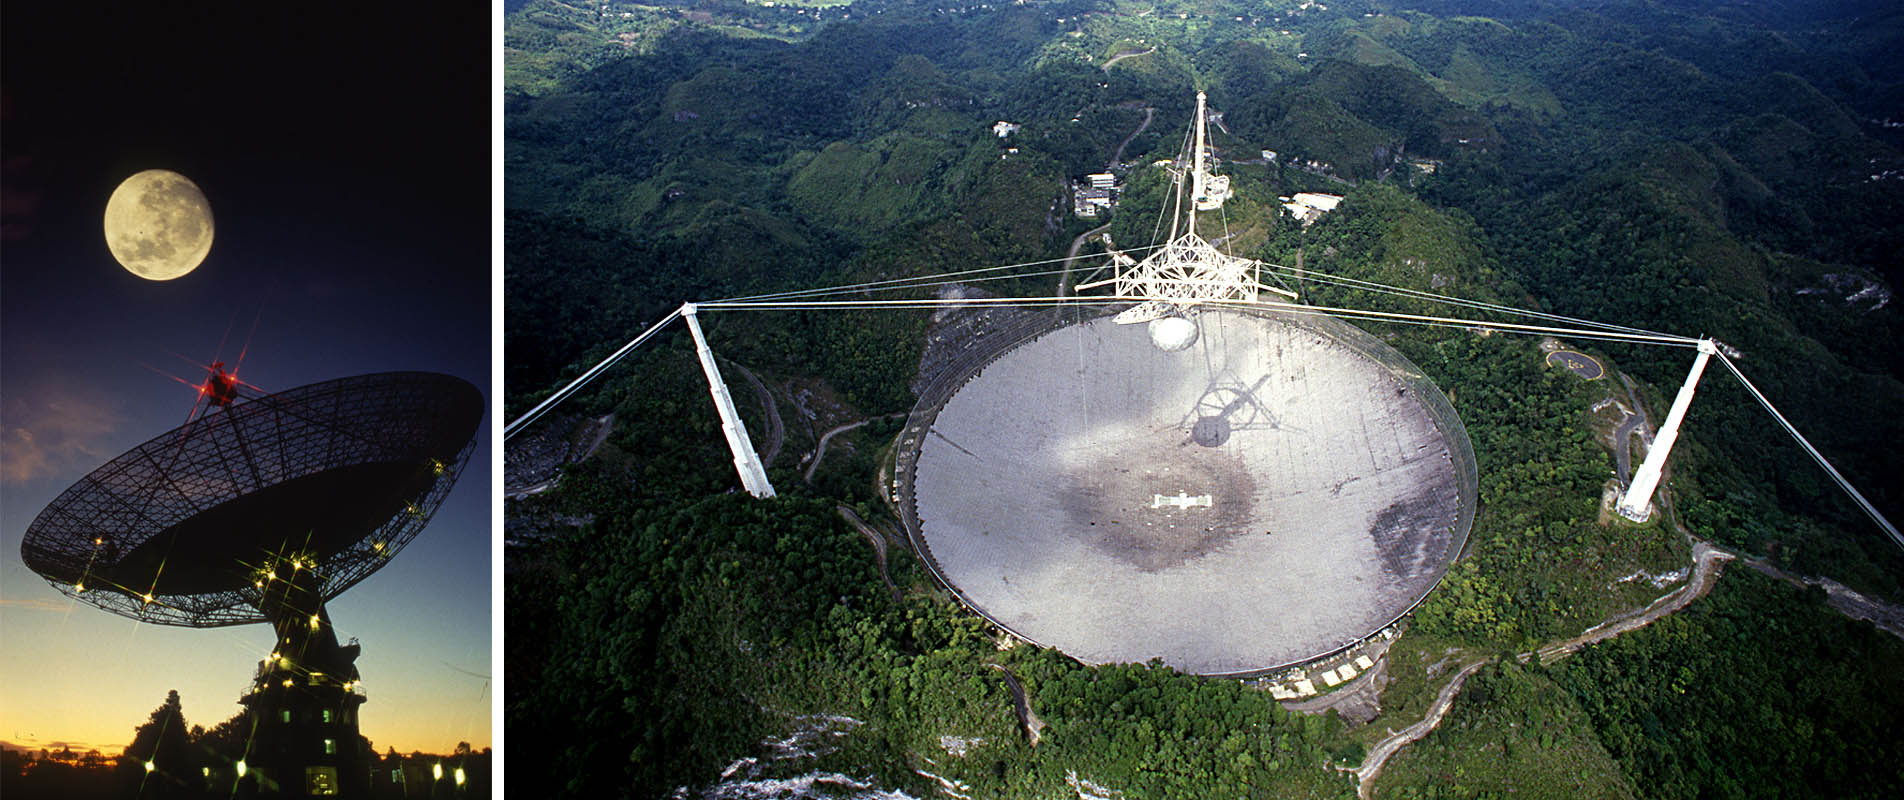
(1281, 489)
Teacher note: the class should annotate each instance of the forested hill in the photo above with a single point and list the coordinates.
(1732, 169)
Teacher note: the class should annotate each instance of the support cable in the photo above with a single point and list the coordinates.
(1035, 302)
(562, 394)
(917, 281)
(1325, 277)
(1872, 511)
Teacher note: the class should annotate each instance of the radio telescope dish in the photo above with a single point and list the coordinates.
(262, 511)
(345, 472)
(1277, 491)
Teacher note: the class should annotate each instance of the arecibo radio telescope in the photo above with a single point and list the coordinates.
(264, 509)
(1197, 467)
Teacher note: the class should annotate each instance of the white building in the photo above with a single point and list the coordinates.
(1307, 207)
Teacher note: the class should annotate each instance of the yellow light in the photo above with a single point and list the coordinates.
(313, 622)
(259, 584)
(459, 776)
(436, 770)
(285, 662)
(148, 597)
(79, 587)
(149, 766)
(206, 771)
(378, 546)
(271, 574)
(437, 467)
(241, 768)
(287, 683)
(98, 541)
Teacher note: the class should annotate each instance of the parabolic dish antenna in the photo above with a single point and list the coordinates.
(344, 472)
(1278, 489)
(263, 510)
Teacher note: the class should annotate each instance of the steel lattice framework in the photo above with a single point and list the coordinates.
(338, 475)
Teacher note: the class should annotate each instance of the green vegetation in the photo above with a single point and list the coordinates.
(1758, 690)
(1659, 165)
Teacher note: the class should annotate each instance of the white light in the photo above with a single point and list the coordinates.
(149, 767)
(459, 776)
(241, 768)
(436, 770)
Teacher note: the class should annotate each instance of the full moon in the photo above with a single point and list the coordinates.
(158, 225)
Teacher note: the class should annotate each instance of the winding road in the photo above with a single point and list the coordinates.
(1707, 561)
(1122, 56)
(1034, 727)
(819, 451)
(1064, 279)
(879, 544)
(776, 432)
(1372, 763)
(1117, 156)
(1622, 437)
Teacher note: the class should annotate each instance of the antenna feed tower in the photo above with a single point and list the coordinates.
(1186, 270)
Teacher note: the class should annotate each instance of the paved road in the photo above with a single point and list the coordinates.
(1064, 279)
(1034, 727)
(1583, 365)
(776, 432)
(879, 545)
(1706, 562)
(1122, 56)
(1117, 156)
(819, 452)
(1372, 763)
(1623, 436)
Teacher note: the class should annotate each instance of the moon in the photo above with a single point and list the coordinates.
(158, 225)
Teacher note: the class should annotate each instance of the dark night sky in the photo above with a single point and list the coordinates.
(345, 155)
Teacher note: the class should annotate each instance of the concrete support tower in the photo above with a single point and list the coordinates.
(1637, 502)
(753, 475)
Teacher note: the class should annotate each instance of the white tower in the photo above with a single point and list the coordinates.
(753, 475)
(1636, 504)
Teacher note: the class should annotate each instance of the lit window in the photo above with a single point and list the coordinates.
(330, 747)
(320, 781)
(284, 716)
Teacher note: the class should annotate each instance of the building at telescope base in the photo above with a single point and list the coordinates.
(1278, 489)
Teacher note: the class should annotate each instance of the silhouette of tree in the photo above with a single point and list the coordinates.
(164, 742)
